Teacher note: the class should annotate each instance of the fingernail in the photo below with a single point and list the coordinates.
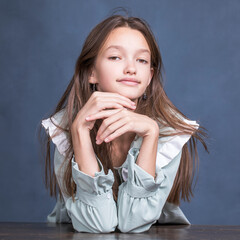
(133, 103)
(87, 118)
(106, 140)
(98, 141)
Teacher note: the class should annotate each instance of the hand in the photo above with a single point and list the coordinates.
(97, 103)
(119, 121)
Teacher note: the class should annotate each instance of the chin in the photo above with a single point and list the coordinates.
(129, 95)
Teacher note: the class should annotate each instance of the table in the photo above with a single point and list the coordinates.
(17, 231)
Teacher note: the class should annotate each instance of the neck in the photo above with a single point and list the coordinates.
(124, 139)
(121, 147)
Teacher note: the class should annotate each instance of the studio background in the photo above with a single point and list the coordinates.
(199, 41)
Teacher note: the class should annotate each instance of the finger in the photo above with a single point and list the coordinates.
(108, 103)
(123, 102)
(102, 115)
(110, 120)
(102, 105)
(110, 130)
(102, 98)
(115, 95)
(125, 128)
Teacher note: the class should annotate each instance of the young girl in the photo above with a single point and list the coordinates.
(121, 159)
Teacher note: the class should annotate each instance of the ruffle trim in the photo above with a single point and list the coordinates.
(97, 185)
(168, 148)
(61, 139)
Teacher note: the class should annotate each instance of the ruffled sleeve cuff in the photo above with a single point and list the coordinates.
(93, 191)
(99, 184)
(140, 183)
(59, 139)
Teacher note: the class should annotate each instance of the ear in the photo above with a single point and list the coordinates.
(92, 78)
(151, 75)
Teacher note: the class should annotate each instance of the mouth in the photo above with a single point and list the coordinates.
(129, 81)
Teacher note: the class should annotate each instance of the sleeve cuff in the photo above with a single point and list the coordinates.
(140, 183)
(97, 185)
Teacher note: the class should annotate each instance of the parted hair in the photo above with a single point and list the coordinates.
(157, 106)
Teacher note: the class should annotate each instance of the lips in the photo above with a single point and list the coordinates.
(129, 81)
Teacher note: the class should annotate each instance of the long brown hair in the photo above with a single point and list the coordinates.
(157, 106)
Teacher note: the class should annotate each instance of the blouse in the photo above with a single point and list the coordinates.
(142, 200)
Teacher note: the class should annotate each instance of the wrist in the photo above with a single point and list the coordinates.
(79, 131)
(80, 135)
(153, 131)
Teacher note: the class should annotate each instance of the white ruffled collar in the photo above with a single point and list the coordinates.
(168, 147)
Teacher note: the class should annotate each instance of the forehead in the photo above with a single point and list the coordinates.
(127, 38)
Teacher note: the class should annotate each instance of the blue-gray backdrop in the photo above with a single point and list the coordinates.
(199, 40)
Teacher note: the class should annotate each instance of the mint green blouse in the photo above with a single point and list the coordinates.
(141, 198)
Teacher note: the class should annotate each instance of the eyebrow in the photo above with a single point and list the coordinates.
(121, 48)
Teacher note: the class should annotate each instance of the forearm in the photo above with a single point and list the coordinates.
(141, 198)
(93, 208)
(148, 153)
(84, 153)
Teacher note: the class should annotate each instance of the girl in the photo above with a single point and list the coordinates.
(121, 158)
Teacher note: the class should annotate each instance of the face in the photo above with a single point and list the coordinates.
(123, 64)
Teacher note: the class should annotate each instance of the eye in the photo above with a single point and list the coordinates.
(143, 61)
(113, 57)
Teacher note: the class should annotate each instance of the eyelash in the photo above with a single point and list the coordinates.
(142, 60)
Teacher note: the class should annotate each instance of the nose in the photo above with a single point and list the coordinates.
(130, 67)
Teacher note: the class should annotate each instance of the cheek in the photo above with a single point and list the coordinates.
(107, 71)
(145, 73)
(105, 77)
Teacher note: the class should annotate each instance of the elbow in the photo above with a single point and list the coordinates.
(107, 224)
(137, 229)
(123, 229)
(95, 229)
(124, 226)
(97, 226)
(107, 229)
(136, 225)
